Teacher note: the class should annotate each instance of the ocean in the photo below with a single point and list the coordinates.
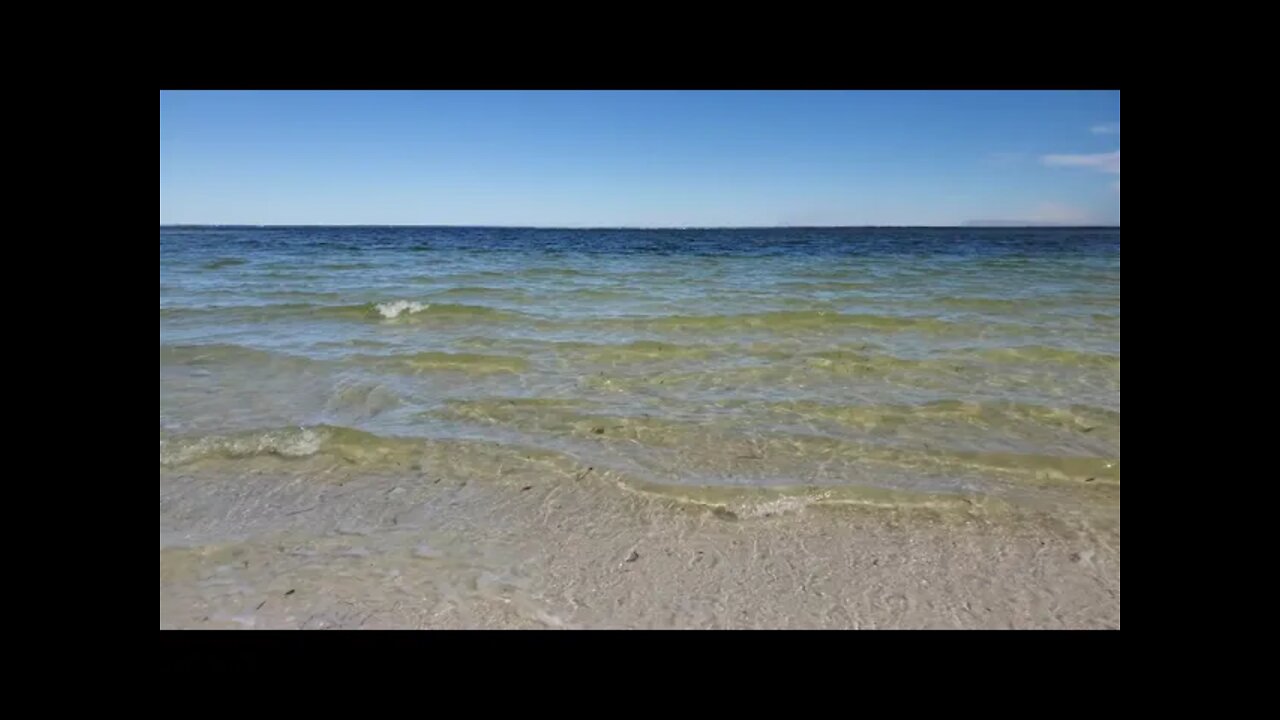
(676, 379)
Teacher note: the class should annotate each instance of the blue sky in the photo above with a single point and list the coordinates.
(643, 159)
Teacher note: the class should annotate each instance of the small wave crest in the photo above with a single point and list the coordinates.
(295, 443)
(351, 446)
(381, 311)
(393, 309)
(743, 503)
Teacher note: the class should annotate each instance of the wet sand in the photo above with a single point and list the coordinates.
(282, 543)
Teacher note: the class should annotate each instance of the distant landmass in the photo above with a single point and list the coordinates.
(1025, 223)
(1011, 223)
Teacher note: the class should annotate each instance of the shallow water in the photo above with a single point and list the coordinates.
(932, 360)
(752, 374)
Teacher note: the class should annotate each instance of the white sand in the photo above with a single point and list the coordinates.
(280, 544)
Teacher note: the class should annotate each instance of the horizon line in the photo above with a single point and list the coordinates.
(978, 226)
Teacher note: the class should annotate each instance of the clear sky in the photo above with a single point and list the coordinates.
(640, 159)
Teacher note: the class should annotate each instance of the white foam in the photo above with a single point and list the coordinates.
(304, 443)
(777, 506)
(394, 308)
(299, 443)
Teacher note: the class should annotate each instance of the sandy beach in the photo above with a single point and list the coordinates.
(305, 544)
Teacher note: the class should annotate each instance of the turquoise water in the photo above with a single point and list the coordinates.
(957, 362)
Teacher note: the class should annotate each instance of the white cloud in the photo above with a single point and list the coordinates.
(1104, 162)
(1106, 129)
